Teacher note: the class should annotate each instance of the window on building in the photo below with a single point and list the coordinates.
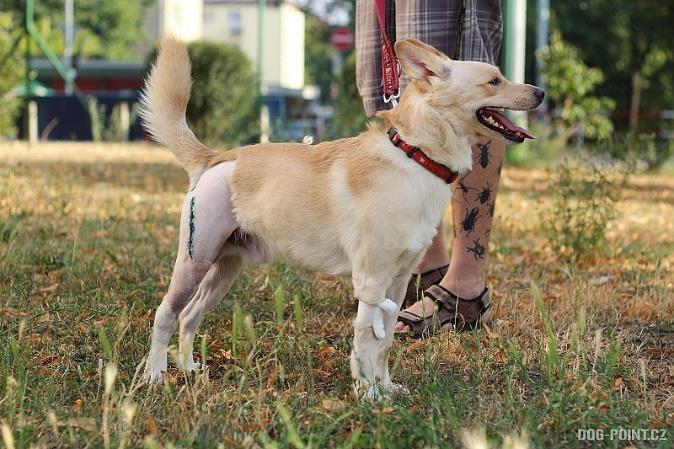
(234, 21)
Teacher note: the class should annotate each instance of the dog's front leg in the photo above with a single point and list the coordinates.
(370, 336)
(396, 292)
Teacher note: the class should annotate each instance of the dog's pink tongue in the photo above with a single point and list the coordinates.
(523, 131)
(510, 126)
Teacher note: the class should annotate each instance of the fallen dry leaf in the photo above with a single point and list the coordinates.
(419, 344)
(77, 406)
(151, 425)
(326, 351)
(271, 380)
(382, 410)
(330, 405)
(49, 289)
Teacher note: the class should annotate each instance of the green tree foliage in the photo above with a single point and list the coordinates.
(332, 8)
(109, 29)
(11, 74)
(631, 40)
(105, 29)
(570, 85)
(350, 116)
(224, 104)
(318, 54)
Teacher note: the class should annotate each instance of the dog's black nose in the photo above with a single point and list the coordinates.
(539, 93)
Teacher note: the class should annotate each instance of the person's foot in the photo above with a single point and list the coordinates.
(421, 281)
(441, 310)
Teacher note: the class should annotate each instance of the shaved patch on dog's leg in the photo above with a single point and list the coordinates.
(373, 316)
(196, 254)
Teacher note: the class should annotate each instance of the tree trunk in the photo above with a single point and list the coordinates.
(636, 100)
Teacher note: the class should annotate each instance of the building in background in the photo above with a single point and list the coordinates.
(290, 104)
(180, 18)
(236, 22)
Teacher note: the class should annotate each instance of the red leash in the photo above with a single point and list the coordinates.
(390, 72)
(390, 79)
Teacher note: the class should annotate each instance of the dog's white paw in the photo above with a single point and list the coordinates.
(366, 390)
(153, 371)
(154, 376)
(395, 389)
(190, 366)
(378, 392)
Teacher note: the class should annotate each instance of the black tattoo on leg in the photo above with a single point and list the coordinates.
(464, 188)
(190, 240)
(470, 220)
(484, 154)
(478, 249)
(490, 208)
(485, 194)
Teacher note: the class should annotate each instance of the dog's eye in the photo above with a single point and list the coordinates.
(495, 82)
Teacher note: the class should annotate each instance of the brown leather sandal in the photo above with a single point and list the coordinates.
(450, 312)
(420, 282)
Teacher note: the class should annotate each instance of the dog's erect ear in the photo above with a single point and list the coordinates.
(420, 61)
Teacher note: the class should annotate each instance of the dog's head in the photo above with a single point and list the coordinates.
(466, 94)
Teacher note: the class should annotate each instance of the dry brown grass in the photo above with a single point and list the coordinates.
(87, 238)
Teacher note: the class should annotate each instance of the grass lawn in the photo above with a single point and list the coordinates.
(88, 236)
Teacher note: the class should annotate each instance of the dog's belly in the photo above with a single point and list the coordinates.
(323, 257)
(317, 250)
(286, 204)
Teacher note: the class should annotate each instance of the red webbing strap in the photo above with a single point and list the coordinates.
(389, 63)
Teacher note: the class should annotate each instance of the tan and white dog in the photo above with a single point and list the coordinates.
(354, 206)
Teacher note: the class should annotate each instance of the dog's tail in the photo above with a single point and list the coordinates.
(164, 102)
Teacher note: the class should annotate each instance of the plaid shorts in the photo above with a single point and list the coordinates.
(434, 22)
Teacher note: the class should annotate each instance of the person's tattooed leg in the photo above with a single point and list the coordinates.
(473, 203)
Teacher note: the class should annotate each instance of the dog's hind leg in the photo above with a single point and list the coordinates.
(207, 220)
(212, 289)
(187, 274)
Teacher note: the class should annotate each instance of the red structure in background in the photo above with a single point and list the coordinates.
(61, 116)
(98, 85)
(95, 75)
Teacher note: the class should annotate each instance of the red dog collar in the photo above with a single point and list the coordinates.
(439, 170)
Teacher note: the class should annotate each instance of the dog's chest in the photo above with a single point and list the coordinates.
(398, 215)
(425, 218)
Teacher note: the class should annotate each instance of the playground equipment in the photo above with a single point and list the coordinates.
(32, 89)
